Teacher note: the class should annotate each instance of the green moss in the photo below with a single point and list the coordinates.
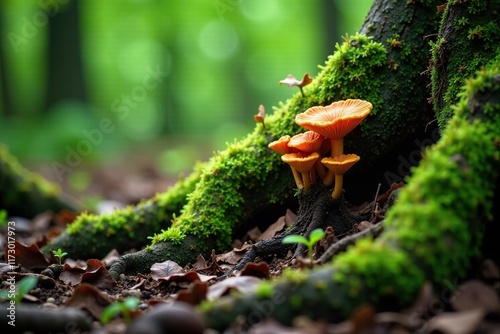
(462, 35)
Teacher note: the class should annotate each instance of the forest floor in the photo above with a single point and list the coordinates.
(472, 307)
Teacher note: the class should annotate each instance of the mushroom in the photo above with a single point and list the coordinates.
(281, 146)
(334, 122)
(260, 116)
(303, 163)
(309, 142)
(338, 166)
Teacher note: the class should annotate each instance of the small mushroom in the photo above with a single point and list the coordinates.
(309, 142)
(260, 116)
(281, 146)
(338, 166)
(334, 122)
(303, 163)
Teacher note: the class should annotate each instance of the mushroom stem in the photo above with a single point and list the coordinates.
(337, 190)
(306, 181)
(337, 148)
(298, 178)
(320, 169)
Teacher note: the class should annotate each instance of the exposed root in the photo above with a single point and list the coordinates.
(317, 209)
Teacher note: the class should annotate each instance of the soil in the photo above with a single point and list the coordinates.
(84, 285)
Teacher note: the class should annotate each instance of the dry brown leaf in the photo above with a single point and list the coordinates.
(93, 273)
(29, 257)
(243, 284)
(195, 294)
(190, 276)
(260, 270)
(165, 269)
(456, 322)
(89, 298)
(475, 294)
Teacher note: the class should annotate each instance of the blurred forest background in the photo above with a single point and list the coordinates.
(168, 81)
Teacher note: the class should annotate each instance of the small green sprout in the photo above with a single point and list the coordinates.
(59, 254)
(314, 237)
(125, 307)
(24, 286)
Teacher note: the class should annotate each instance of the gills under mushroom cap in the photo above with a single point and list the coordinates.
(340, 164)
(336, 120)
(301, 161)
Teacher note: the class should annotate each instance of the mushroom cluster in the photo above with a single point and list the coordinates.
(305, 152)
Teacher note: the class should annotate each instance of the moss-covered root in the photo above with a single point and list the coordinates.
(142, 261)
(432, 231)
(24, 193)
(93, 236)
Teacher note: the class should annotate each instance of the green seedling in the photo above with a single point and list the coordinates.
(123, 307)
(3, 218)
(23, 287)
(59, 254)
(314, 237)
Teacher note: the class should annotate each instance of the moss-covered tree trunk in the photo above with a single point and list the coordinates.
(237, 185)
(26, 194)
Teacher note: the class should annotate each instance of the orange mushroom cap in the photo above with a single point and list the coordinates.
(281, 145)
(335, 120)
(308, 141)
(341, 163)
(301, 161)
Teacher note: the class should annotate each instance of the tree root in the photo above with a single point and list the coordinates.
(317, 209)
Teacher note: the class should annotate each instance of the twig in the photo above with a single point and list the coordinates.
(342, 244)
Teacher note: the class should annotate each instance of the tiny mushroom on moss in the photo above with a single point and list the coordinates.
(310, 142)
(334, 122)
(260, 116)
(303, 163)
(338, 166)
(291, 81)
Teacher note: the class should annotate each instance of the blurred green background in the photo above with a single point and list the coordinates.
(102, 79)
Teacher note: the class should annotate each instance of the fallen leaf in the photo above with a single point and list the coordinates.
(195, 294)
(190, 276)
(235, 255)
(260, 270)
(165, 269)
(456, 322)
(475, 294)
(29, 257)
(243, 284)
(273, 229)
(93, 273)
(88, 297)
(200, 262)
